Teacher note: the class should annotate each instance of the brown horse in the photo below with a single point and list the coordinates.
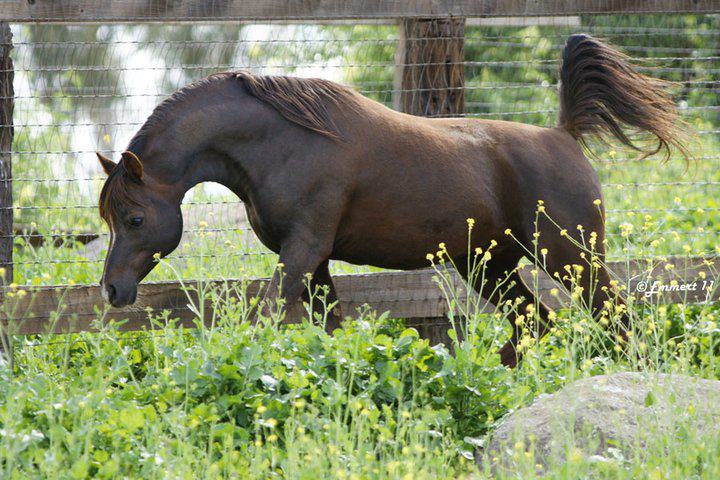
(325, 173)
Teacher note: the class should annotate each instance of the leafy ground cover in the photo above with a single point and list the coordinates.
(373, 400)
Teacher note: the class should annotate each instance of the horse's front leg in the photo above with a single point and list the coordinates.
(321, 295)
(298, 259)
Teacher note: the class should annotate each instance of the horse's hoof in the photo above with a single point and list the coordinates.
(332, 323)
(508, 355)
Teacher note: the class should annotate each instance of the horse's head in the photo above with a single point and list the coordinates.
(144, 219)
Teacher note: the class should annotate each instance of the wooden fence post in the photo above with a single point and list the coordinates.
(429, 81)
(7, 104)
(430, 72)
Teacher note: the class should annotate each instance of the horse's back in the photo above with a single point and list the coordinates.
(419, 180)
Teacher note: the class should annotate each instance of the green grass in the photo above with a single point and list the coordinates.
(371, 401)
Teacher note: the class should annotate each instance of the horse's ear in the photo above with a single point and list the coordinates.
(107, 164)
(133, 165)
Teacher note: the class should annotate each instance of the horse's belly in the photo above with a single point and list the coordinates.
(257, 227)
(405, 244)
(381, 257)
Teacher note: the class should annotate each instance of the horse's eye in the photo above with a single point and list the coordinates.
(135, 221)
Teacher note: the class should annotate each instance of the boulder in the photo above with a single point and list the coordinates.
(605, 416)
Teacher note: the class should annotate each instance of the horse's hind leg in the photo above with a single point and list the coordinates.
(502, 282)
(530, 308)
(593, 280)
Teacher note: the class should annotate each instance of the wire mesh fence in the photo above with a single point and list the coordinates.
(86, 88)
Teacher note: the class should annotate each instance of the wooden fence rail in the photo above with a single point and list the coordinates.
(413, 296)
(318, 10)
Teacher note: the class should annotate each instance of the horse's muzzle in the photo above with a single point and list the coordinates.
(118, 297)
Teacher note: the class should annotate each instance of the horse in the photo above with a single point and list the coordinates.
(326, 173)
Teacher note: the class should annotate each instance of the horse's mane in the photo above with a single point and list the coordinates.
(303, 101)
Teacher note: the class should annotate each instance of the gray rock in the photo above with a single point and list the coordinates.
(605, 417)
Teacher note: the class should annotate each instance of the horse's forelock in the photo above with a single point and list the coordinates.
(115, 193)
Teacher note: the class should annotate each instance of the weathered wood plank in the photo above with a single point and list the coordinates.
(238, 10)
(413, 296)
(431, 72)
(74, 309)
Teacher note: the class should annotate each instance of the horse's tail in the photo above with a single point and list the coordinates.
(601, 94)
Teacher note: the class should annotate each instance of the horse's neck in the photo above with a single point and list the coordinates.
(227, 137)
(210, 144)
(217, 167)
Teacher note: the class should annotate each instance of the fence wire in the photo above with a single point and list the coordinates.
(86, 88)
